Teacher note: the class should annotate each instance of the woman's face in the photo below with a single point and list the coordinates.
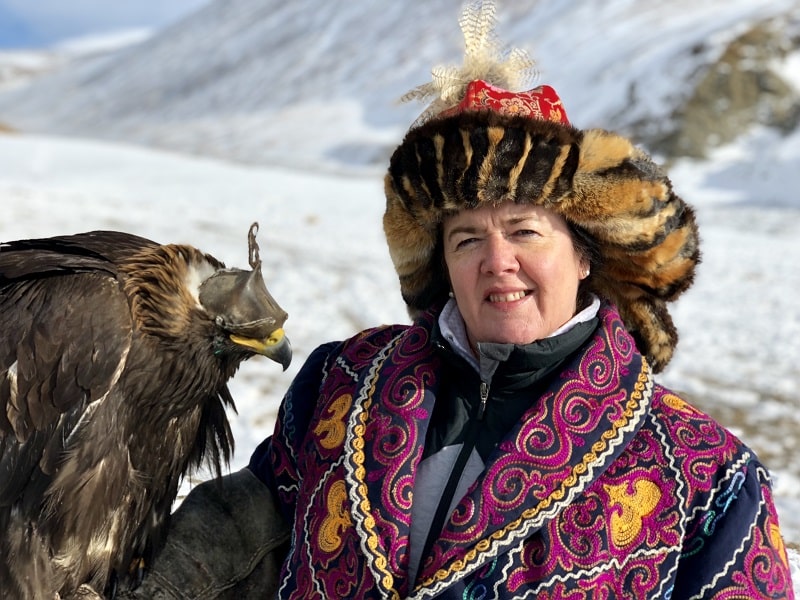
(514, 271)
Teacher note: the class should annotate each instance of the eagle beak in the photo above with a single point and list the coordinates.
(276, 347)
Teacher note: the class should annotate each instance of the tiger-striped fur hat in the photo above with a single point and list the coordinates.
(492, 146)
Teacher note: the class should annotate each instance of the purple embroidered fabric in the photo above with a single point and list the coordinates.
(610, 486)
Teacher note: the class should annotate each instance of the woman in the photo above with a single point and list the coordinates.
(512, 442)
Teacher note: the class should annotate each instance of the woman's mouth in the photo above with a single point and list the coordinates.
(510, 297)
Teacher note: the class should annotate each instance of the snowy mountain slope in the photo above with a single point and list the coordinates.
(241, 78)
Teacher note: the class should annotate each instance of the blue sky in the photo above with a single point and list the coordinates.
(41, 23)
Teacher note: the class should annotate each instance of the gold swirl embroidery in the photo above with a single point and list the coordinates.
(337, 520)
(677, 403)
(332, 429)
(627, 523)
(777, 541)
(362, 507)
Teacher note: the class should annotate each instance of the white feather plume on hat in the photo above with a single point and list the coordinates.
(485, 58)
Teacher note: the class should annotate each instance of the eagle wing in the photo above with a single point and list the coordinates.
(67, 329)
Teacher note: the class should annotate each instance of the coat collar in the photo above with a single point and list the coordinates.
(451, 326)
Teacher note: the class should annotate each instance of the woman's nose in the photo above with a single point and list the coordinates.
(500, 256)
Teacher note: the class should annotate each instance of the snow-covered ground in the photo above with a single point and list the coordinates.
(325, 260)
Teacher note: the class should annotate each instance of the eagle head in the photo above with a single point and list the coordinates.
(169, 286)
(241, 305)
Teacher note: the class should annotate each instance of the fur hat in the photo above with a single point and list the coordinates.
(492, 146)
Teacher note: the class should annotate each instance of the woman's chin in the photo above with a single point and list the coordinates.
(518, 337)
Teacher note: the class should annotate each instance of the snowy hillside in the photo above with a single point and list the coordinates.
(315, 83)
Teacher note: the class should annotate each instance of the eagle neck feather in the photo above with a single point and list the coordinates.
(155, 282)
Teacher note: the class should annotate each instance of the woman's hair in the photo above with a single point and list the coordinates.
(588, 249)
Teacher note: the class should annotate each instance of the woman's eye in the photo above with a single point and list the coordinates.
(525, 233)
(465, 242)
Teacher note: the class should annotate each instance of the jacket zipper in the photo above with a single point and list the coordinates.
(484, 395)
(468, 445)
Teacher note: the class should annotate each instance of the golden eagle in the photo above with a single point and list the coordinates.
(114, 364)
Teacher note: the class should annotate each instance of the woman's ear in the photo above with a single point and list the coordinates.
(584, 268)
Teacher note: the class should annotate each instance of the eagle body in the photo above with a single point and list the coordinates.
(114, 366)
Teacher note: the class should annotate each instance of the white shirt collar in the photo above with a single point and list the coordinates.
(452, 326)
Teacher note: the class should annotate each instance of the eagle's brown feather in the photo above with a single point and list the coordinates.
(112, 386)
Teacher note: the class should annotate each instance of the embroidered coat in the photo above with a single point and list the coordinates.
(609, 486)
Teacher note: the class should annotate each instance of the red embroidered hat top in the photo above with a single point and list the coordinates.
(539, 103)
